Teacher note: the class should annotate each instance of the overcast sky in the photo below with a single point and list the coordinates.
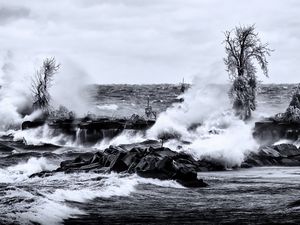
(149, 41)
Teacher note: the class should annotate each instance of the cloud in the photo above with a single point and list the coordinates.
(8, 14)
(140, 41)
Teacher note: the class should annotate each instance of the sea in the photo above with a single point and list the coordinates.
(260, 195)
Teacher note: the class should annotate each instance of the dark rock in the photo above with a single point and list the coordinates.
(185, 171)
(97, 158)
(72, 164)
(160, 163)
(78, 160)
(193, 183)
(42, 174)
(162, 152)
(269, 131)
(246, 165)
(32, 124)
(113, 150)
(141, 145)
(278, 155)
(5, 148)
(287, 150)
(89, 167)
(89, 131)
(117, 164)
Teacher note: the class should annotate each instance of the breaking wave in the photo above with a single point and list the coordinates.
(35, 199)
(205, 126)
(108, 107)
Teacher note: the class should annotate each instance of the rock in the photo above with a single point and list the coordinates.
(89, 167)
(89, 131)
(159, 163)
(193, 183)
(185, 173)
(70, 165)
(277, 155)
(117, 164)
(287, 150)
(113, 150)
(268, 132)
(141, 145)
(5, 148)
(32, 124)
(42, 174)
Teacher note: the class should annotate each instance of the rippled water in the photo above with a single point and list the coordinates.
(246, 196)
(255, 196)
(124, 100)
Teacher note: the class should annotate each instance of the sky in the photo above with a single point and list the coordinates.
(146, 41)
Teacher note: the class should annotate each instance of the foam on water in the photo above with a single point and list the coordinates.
(42, 135)
(126, 137)
(23, 170)
(108, 107)
(35, 199)
(206, 121)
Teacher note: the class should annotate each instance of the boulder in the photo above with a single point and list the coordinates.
(117, 164)
(268, 132)
(160, 163)
(42, 174)
(5, 148)
(276, 155)
(287, 150)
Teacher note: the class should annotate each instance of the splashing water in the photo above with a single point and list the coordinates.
(204, 121)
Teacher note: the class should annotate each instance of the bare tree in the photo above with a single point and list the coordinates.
(243, 47)
(42, 82)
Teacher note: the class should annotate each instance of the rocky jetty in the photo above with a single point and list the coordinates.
(284, 125)
(89, 131)
(276, 155)
(269, 131)
(161, 163)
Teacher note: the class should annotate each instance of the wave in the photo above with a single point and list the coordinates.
(205, 127)
(36, 201)
(43, 135)
(126, 137)
(108, 107)
(23, 170)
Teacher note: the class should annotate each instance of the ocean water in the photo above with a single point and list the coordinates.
(245, 196)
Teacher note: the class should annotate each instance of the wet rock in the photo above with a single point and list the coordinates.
(193, 183)
(42, 174)
(159, 163)
(117, 164)
(141, 145)
(277, 155)
(71, 165)
(32, 124)
(287, 150)
(5, 148)
(89, 131)
(269, 131)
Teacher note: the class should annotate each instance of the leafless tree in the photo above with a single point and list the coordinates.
(42, 82)
(243, 47)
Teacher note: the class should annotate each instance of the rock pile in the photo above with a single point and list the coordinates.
(276, 155)
(161, 163)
